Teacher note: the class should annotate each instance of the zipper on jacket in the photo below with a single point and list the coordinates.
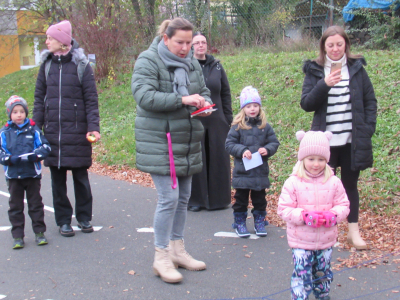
(76, 115)
(59, 115)
(190, 141)
(47, 115)
(317, 198)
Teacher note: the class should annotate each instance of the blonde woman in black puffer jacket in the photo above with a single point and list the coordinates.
(66, 108)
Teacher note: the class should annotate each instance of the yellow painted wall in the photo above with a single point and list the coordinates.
(9, 54)
(18, 50)
(29, 23)
(26, 52)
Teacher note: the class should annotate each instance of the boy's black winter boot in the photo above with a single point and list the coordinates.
(18, 243)
(260, 222)
(240, 224)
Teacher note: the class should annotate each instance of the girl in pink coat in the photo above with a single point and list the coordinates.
(312, 202)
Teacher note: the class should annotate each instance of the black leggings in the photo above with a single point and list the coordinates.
(341, 157)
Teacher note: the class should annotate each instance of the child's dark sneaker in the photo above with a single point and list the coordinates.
(40, 239)
(260, 222)
(324, 298)
(18, 243)
(240, 224)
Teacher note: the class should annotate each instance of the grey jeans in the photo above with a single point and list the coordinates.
(171, 211)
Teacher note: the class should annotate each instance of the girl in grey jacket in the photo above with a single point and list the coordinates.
(250, 133)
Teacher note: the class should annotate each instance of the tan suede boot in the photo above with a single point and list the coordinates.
(164, 267)
(354, 238)
(183, 259)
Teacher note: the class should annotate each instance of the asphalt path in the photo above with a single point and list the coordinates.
(98, 265)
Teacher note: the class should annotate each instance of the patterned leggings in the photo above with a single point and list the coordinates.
(312, 272)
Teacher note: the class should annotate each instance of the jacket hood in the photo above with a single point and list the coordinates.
(211, 60)
(154, 45)
(78, 54)
(313, 64)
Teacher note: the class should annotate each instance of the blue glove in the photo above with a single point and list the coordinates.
(14, 159)
(33, 158)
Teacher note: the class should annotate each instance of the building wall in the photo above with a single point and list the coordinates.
(26, 51)
(9, 54)
(20, 40)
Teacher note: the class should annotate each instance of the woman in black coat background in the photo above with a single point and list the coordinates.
(211, 189)
(343, 102)
(66, 108)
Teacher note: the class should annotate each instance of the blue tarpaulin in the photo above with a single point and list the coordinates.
(374, 4)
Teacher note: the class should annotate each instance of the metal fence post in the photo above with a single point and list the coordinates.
(311, 5)
(209, 24)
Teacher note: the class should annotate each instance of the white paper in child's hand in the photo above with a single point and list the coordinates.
(25, 156)
(255, 161)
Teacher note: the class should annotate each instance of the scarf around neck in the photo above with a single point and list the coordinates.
(181, 65)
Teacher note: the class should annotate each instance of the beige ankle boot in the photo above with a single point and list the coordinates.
(183, 259)
(164, 267)
(354, 238)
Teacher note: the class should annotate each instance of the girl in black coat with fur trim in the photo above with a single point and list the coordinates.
(250, 134)
(338, 90)
(66, 107)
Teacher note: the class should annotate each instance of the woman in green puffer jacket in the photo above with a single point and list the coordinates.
(168, 85)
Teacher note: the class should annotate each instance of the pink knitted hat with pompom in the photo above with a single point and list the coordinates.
(314, 143)
(62, 32)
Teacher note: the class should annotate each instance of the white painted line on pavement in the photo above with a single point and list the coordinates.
(95, 228)
(234, 235)
(48, 208)
(4, 228)
(145, 229)
(2, 296)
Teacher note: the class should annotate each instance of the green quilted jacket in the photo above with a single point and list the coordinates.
(160, 110)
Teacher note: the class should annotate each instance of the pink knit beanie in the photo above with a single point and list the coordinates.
(62, 32)
(249, 95)
(314, 143)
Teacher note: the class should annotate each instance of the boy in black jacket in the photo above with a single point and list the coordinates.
(22, 147)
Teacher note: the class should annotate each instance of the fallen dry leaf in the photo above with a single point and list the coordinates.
(247, 255)
(374, 170)
(131, 272)
(395, 291)
(123, 248)
(352, 278)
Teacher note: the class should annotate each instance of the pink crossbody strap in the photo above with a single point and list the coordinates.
(171, 162)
